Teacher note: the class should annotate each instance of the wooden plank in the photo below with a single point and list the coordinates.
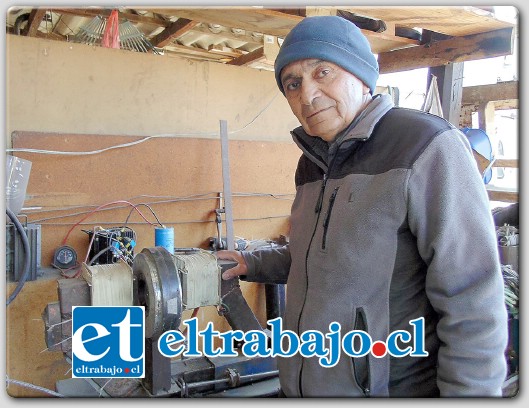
(511, 163)
(472, 47)
(486, 118)
(175, 30)
(498, 105)
(249, 58)
(465, 119)
(476, 95)
(505, 196)
(225, 51)
(383, 42)
(255, 19)
(456, 21)
(195, 52)
(35, 18)
(50, 36)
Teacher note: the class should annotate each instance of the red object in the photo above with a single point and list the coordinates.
(111, 34)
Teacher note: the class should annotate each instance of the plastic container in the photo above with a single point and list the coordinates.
(17, 177)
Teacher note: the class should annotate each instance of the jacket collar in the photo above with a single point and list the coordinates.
(360, 129)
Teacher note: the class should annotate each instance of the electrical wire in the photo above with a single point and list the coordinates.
(271, 217)
(76, 267)
(149, 207)
(91, 242)
(96, 256)
(33, 387)
(196, 197)
(97, 209)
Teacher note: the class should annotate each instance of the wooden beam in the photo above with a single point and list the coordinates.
(255, 19)
(511, 163)
(450, 83)
(486, 118)
(35, 18)
(103, 12)
(192, 52)
(505, 196)
(247, 59)
(476, 95)
(456, 20)
(51, 36)
(472, 47)
(175, 30)
(225, 51)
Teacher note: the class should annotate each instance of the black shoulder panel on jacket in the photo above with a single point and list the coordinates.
(397, 141)
(307, 171)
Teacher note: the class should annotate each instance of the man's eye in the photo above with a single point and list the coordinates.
(292, 86)
(323, 72)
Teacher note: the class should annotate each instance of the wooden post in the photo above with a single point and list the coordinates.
(486, 118)
(450, 83)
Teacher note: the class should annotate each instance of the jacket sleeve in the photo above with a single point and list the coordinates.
(449, 213)
(270, 265)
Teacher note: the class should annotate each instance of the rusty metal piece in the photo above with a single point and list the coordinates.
(52, 325)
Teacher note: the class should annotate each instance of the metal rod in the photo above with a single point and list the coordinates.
(227, 184)
(248, 377)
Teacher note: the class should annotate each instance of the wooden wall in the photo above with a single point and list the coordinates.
(64, 189)
(75, 97)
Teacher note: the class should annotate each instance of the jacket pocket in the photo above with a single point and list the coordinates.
(361, 364)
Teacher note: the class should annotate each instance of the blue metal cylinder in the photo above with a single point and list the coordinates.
(164, 237)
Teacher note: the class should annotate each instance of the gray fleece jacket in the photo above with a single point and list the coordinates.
(389, 224)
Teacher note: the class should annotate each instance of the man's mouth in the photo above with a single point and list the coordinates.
(316, 113)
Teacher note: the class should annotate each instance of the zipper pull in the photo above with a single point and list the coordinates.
(320, 198)
(331, 203)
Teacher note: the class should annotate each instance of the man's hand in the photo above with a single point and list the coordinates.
(240, 269)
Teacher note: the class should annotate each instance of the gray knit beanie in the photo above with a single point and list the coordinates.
(333, 39)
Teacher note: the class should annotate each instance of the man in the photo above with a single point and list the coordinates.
(390, 223)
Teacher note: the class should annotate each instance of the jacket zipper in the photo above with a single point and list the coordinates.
(361, 364)
(317, 210)
(320, 197)
(328, 217)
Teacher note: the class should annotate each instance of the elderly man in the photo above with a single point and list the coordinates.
(390, 225)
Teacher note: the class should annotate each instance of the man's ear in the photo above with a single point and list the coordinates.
(365, 89)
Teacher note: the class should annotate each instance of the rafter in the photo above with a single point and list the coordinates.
(458, 49)
(35, 18)
(175, 30)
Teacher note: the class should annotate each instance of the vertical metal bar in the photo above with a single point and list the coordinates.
(227, 184)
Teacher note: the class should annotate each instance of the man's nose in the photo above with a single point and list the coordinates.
(309, 92)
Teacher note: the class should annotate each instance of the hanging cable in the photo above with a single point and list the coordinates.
(97, 209)
(25, 244)
(149, 207)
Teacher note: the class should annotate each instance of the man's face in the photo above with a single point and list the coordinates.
(324, 97)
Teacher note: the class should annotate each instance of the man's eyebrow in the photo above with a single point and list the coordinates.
(289, 76)
(313, 64)
(317, 62)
